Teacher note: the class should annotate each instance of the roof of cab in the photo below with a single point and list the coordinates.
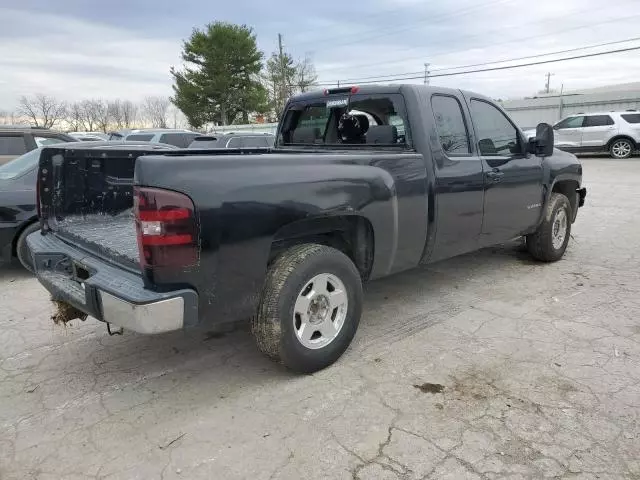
(374, 89)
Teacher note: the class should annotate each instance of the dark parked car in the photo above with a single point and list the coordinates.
(362, 183)
(233, 140)
(15, 141)
(18, 215)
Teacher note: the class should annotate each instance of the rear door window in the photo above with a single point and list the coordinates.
(140, 137)
(177, 139)
(12, 145)
(235, 142)
(255, 142)
(598, 121)
(450, 125)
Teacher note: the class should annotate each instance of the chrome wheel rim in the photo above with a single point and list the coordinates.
(320, 311)
(621, 149)
(559, 229)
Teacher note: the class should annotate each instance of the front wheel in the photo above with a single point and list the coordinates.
(550, 240)
(621, 148)
(310, 307)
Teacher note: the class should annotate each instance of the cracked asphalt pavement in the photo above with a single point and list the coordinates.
(485, 366)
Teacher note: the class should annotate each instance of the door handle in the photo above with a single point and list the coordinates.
(495, 175)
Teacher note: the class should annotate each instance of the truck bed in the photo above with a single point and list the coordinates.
(110, 236)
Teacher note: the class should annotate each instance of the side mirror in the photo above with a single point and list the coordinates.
(542, 144)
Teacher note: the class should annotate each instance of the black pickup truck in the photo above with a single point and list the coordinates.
(362, 183)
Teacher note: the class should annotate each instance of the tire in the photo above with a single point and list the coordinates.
(621, 148)
(550, 241)
(309, 309)
(22, 250)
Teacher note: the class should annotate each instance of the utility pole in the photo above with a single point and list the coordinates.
(426, 73)
(560, 103)
(282, 70)
(548, 84)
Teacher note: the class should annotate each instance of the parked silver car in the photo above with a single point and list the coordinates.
(615, 132)
(177, 137)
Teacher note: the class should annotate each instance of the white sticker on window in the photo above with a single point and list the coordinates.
(341, 102)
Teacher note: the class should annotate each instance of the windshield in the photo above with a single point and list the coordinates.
(20, 165)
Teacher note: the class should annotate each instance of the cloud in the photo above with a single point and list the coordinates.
(81, 49)
(73, 59)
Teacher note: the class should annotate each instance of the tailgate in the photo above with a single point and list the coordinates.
(86, 199)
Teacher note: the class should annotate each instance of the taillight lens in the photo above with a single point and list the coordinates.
(167, 228)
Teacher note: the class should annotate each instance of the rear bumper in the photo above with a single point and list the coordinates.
(106, 292)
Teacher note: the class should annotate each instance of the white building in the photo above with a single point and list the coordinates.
(550, 108)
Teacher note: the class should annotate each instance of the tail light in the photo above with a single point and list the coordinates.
(166, 227)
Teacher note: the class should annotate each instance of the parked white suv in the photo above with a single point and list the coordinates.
(615, 132)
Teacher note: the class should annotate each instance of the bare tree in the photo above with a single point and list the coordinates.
(89, 115)
(101, 109)
(114, 109)
(42, 110)
(155, 110)
(75, 116)
(305, 75)
(129, 113)
(8, 117)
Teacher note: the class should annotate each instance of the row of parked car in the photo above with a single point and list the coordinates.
(20, 151)
(189, 139)
(15, 141)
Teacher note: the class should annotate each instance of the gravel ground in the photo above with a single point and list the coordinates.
(484, 366)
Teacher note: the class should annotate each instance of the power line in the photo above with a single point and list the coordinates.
(503, 42)
(506, 67)
(496, 61)
(431, 18)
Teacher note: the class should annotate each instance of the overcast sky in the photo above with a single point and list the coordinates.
(76, 49)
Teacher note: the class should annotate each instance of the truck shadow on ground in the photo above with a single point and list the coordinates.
(12, 270)
(231, 361)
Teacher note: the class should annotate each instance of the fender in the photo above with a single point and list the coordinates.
(559, 167)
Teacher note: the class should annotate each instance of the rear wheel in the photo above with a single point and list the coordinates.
(22, 249)
(550, 241)
(621, 148)
(310, 307)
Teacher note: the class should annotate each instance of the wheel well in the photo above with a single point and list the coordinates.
(619, 137)
(568, 189)
(23, 227)
(352, 235)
